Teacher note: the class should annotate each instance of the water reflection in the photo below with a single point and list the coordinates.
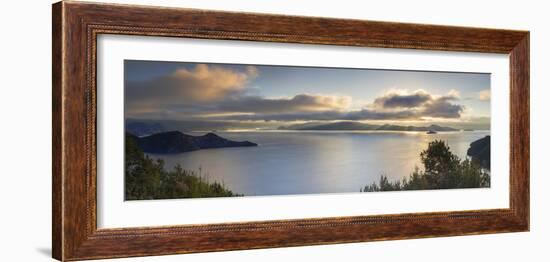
(305, 162)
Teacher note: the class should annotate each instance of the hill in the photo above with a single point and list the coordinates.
(480, 150)
(352, 125)
(174, 142)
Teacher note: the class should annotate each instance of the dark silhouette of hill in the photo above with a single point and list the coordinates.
(174, 142)
(480, 150)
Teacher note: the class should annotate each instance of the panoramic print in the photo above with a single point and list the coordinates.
(198, 130)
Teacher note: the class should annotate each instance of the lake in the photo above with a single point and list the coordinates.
(312, 162)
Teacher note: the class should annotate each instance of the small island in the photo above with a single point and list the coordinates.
(174, 142)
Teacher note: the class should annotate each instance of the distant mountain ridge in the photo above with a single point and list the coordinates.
(174, 142)
(351, 125)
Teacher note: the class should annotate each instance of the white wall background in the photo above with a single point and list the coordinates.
(25, 147)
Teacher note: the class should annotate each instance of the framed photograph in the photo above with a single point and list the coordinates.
(181, 130)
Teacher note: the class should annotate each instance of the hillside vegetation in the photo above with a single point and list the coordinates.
(148, 179)
(442, 170)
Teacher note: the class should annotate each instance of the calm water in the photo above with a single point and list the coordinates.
(306, 162)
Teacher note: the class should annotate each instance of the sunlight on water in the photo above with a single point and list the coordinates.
(306, 162)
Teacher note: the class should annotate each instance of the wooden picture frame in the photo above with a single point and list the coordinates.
(76, 26)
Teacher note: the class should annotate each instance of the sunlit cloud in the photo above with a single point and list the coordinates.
(186, 87)
(417, 105)
(218, 93)
(297, 103)
(485, 95)
(442, 108)
(454, 93)
(402, 99)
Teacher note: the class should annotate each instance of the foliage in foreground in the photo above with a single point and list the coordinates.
(442, 170)
(147, 179)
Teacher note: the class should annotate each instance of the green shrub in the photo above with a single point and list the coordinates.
(147, 179)
(442, 170)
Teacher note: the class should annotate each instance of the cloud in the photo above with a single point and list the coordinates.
(391, 106)
(454, 94)
(212, 92)
(394, 99)
(442, 108)
(420, 104)
(201, 84)
(485, 95)
(297, 103)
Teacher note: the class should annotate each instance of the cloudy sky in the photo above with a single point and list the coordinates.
(268, 96)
